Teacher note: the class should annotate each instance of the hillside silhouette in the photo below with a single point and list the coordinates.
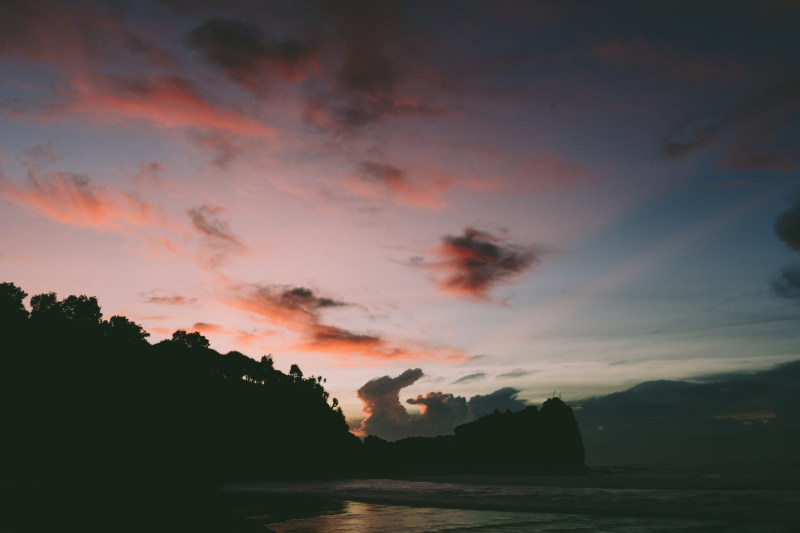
(95, 417)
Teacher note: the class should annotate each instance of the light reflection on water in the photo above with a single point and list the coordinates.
(368, 518)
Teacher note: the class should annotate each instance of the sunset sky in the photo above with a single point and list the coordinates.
(547, 196)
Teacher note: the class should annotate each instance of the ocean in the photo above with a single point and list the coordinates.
(631, 499)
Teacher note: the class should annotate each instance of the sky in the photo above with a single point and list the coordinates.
(440, 207)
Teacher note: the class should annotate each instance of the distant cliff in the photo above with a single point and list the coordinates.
(526, 441)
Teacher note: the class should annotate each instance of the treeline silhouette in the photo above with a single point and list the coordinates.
(95, 417)
(90, 407)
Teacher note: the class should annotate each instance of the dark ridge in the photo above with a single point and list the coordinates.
(523, 442)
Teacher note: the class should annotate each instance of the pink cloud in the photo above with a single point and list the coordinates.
(75, 200)
(376, 179)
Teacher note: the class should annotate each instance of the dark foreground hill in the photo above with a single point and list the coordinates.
(99, 423)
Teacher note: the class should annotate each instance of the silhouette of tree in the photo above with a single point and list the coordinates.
(190, 340)
(120, 330)
(12, 305)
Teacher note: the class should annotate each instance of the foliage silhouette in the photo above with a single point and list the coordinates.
(96, 419)
(91, 408)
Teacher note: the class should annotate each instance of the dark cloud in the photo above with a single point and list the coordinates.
(475, 262)
(787, 284)
(731, 417)
(385, 415)
(218, 240)
(756, 132)
(207, 327)
(248, 56)
(441, 412)
(471, 377)
(162, 297)
(787, 227)
(517, 373)
(303, 298)
(367, 79)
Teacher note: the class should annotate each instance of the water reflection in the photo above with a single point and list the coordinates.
(368, 518)
(264, 509)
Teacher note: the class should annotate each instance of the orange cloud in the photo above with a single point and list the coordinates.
(298, 310)
(73, 199)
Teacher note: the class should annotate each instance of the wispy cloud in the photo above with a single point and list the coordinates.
(218, 242)
(382, 178)
(754, 133)
(164, 297)
(165, 101)
(74, 199)
(517, 373)
(471, 377)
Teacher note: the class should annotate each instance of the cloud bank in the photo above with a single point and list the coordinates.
(440, 412)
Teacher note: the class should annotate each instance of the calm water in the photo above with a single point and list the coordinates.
(613, 500)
